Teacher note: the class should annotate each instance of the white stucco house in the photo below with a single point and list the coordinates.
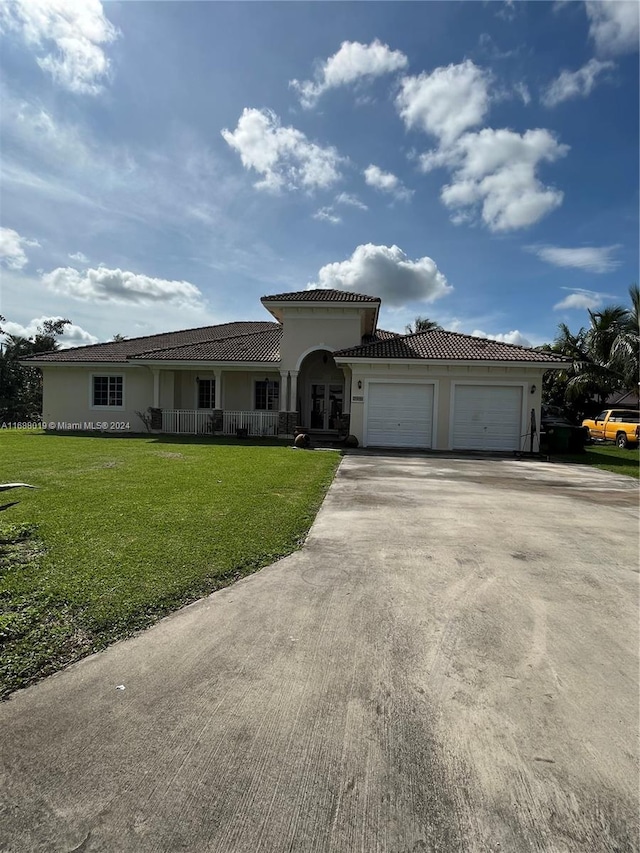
(321, 363)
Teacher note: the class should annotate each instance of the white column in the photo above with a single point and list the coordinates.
(156, 387)
(218, 389)
(284, 397)
(346, 406)
(294, 390)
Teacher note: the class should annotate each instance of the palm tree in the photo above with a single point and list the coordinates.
(422, 324)
(625, 349)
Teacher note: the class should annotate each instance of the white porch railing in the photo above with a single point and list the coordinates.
(196, 422)
(256, 423)
(190, 421)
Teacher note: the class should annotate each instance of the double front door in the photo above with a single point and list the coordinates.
(327, 400)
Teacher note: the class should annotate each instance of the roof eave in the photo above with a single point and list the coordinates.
(347, 359)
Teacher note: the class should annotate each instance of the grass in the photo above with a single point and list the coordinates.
(607, 457)
(123, 530)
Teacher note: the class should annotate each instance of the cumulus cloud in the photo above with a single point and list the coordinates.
(514, 337)
(105, 285)
(12, 253)
(386, 182)
(613, 26)
(596, 259)
(495, 171)
(385, 271)
(284, 156)
(575, 84)
(80, 257)
(352, 62)
(73, 335)
(580, 299)
(445, 102)
(68, 38)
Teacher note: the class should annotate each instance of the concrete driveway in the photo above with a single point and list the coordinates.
(449, 664)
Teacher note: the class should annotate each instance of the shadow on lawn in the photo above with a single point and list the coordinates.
(153, 438)
(597, 457)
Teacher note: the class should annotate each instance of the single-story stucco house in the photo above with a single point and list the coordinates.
(322, 364)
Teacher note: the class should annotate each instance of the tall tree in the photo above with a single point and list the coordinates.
(21, 386)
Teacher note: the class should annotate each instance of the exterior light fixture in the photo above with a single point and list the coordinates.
(359, 384)
(533, 389)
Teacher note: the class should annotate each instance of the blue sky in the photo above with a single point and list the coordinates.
(165, 164)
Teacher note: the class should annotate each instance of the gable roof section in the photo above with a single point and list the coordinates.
(440, 345)
(123, 351)
(261, 346)
(321, 295)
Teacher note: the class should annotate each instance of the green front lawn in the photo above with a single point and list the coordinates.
(123, 530)
(607, 457)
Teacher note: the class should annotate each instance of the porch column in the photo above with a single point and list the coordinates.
(218, 389)
(284, 398)
(346, 404)
(293, 403)
(156, 387)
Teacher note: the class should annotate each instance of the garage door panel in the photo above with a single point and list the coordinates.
(487, 417)
(400, 414)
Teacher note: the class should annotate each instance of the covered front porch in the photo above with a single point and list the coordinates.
(255, 403)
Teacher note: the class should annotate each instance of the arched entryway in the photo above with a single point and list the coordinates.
(321, 392)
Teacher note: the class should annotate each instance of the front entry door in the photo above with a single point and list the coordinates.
(326, 405)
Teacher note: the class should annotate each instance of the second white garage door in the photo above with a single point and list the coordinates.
(487, 417)
(399, 414)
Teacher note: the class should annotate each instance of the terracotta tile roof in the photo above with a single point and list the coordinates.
(440, 345)
(321, 295)
(379, 335)
(122, 351)
(261, 346)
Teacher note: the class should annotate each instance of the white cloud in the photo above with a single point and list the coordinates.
(596, 259)
(387, 272)
(514, 337)
(613, 25)
(350, 201)
(105, 285)
(386, 182)
(12, 245)
(522, 90)
(67, 37)
(574, 84)
(73, 335)
(80, 257)
(326, 214)
(445, 102)
(580, 299)
(495, 170)
(352, 62)
(284, 156)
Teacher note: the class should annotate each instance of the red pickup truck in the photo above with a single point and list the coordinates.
(619, 425)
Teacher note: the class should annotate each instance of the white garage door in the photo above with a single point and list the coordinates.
(487, 417)
(399, 414)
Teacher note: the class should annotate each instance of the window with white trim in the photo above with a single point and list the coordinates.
(267, 395)
(108, 391)
(207, 394)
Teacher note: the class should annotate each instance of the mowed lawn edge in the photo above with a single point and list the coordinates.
(122, 531)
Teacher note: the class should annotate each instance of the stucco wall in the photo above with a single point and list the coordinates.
(443, 378)
(305, 329)
(67, 398)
